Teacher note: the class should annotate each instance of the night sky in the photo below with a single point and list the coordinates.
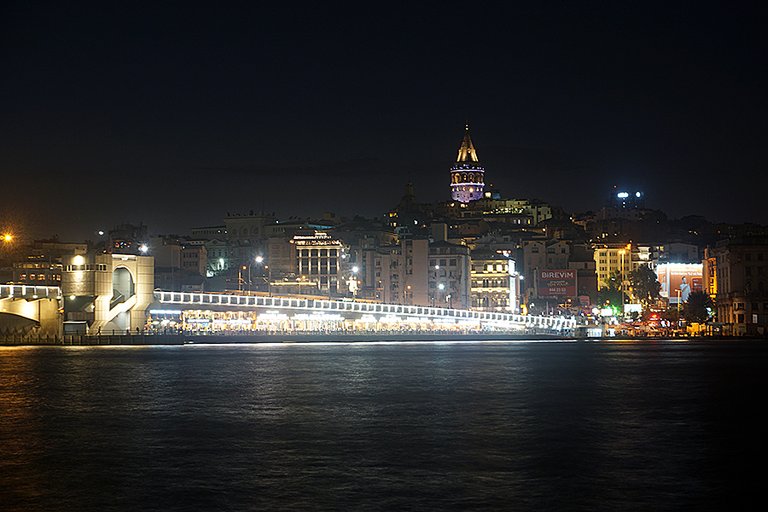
(175, 115)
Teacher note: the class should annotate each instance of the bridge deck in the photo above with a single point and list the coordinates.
(353, 308)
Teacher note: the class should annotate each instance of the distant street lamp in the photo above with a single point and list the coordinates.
(240, 279)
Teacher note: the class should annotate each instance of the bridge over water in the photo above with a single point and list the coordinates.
(356, 311)
(41, 307)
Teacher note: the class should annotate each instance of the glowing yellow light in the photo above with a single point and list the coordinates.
(7, 237)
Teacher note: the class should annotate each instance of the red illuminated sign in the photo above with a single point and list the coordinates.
(556, 284)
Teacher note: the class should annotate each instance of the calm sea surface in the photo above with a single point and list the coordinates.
(465, 426)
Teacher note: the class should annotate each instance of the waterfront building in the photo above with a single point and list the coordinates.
(209, 232)
(741, 285)
(219, 259)
(709, 273)
(616, 258)
(559, 271)
(401, 272)
(449, 274)
(491, 281)
(248, 228)
(40, 262)
(424, 273)
(318, 259)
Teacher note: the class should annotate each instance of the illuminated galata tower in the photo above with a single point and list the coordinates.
(467, 181)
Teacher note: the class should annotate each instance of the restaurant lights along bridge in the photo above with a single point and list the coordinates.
(42, 307)
(363, 312)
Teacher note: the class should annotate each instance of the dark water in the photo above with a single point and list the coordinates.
(544, 426)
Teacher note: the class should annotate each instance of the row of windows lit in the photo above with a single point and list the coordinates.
(306, 253)
(39, 277)
(99, 266)
(498, 267)
(490, 283)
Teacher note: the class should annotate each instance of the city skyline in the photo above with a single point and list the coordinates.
(111, 116)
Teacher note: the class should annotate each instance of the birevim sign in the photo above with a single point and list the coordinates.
(556, 284)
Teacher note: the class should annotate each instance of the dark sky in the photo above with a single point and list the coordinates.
(175, 114)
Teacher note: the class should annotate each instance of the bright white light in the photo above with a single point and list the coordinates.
(622, 195)
(78, 260)
(143, 248)
(259, 259)
(355, 269)
(441, 286)
(101, 233)
(638, 194)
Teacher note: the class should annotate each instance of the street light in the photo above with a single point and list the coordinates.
(240, 276)
(259, 260)
(353, 281)
(7, 238)
(623, 299)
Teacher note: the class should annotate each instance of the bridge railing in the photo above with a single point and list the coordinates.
(345, 306)
(23, 291)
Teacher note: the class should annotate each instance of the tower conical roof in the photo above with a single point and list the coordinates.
(467, 151)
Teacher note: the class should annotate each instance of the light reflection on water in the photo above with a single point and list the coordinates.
(386, 426)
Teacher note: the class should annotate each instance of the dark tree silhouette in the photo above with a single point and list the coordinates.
(645, 284)
(611, 293)
(695, 310)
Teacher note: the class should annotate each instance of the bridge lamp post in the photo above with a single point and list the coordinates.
(514, 278)
(259, 260)
(240, 279)
(353, 281)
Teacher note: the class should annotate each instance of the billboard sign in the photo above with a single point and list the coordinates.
(679, 280)
(556, 284)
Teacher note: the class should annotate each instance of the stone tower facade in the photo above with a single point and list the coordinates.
(467, 175)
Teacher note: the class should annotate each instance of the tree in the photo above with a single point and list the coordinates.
(696, 310)
(645, 284)
(611, 293)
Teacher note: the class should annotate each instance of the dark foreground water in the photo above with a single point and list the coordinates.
(496, 426)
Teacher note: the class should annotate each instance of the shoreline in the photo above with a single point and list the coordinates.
(181, 339)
